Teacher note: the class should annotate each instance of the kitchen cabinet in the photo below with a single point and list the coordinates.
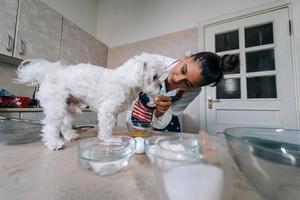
(29, 29)
(38, 32)
(97, 52)
(8, 15)
(36, 114)
(86, 118)
(15, 115)
(74, 44)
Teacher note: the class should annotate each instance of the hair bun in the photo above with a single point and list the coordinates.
(229, 62)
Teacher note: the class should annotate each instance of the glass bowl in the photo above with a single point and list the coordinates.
(16, 131)
(269, 158)
(106, 156)
(181, 173)
(174, 152)
(138, 129)
(150, 144)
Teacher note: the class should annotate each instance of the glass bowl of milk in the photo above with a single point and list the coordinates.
(182, 172)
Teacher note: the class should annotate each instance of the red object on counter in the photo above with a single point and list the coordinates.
(14, 101)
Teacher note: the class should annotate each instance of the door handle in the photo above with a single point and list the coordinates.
(211, 100)
(22, 47)
(9, 43)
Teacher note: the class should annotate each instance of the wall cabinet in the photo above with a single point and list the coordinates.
(38, 31)
(87, 117)
(74, 44)
(8, 14)
(29, 29)
(77, 46)
(97, 52)
(84, 118)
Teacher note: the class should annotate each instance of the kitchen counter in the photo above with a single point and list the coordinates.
(31, 171)
(36, 114)
(21, 110)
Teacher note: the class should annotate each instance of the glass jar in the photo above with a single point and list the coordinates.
(182, 173)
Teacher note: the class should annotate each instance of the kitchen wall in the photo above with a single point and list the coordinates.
(127, 21)
(173, 45)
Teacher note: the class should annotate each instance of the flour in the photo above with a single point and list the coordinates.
(173, 147)
(191, 182)
(151, 149)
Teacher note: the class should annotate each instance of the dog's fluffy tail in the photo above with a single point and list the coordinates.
(33, 72)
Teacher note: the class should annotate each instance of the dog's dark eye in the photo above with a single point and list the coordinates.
(155, 77)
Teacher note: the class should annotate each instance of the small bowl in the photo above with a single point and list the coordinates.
(177, 151)
(18, 131)
(106, 156)
(139, 129)
(150, 144)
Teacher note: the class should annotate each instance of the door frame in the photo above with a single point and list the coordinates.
(240, 15)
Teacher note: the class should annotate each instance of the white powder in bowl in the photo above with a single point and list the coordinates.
(174, 147)
(151, 149)
(191, 182)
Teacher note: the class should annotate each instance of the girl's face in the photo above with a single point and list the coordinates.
(185, 74)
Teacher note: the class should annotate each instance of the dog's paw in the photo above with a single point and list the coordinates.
(71, 135)
(57, 145)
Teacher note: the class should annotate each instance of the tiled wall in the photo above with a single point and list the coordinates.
(174, 45)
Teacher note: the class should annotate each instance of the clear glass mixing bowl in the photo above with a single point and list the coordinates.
(106, 156)
(269, 158)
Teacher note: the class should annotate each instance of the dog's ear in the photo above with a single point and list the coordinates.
(145, 66)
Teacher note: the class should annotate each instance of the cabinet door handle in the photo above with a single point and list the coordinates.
(9, 44)
(22, 47)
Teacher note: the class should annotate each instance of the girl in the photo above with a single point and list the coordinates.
(184, 82)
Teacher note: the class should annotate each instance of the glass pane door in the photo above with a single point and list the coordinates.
(259, 67)
(262, 91)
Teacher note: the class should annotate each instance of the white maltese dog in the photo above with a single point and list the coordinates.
(64, 89)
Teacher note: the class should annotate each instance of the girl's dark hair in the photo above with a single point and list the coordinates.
(213, 65)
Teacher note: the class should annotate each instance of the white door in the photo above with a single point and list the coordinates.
(261, 92)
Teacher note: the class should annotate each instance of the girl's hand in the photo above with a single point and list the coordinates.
(162, 103)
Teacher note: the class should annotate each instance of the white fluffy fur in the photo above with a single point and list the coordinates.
(63, 89)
